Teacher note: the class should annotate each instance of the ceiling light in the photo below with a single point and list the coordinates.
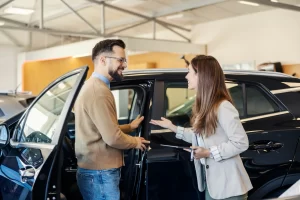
(175, 16)
(249, 3)
(2, 23)
(18, 11)
(275, 1)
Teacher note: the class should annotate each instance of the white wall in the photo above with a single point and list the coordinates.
(8, 67)
(261, 37)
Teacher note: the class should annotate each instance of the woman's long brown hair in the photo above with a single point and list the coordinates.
(211, 91)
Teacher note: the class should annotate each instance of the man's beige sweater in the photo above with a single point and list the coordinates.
(99, 139)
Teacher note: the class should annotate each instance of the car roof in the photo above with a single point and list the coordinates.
(271, 80)
(174, 71)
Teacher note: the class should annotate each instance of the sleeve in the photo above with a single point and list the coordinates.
(184, 134)
(228, 118)
(105, 119)
(126, 128)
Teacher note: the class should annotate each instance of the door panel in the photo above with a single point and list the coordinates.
(35, 140)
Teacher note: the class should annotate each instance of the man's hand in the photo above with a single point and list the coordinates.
(135, 123)
(141, 143)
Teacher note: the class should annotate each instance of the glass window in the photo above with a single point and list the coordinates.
(258, 103)
(179, 101)
(236, 92)
(40, 122)
(123, 99)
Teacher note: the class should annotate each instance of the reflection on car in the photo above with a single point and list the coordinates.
(38, 160)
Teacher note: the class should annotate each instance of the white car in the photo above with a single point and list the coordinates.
(12, 103)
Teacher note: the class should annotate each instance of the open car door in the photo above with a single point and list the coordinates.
(26, 170)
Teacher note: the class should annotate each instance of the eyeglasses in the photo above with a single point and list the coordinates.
(121, 60)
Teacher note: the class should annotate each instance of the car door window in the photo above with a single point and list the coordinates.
(123, 100)
(258, 102)
(128, 103)
(236, 92)
(39, 123)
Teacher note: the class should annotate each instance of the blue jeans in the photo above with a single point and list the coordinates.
(99, 184)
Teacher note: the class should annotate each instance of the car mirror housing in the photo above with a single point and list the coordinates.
(4, 135)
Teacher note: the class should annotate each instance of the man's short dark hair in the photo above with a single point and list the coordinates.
(106, 46)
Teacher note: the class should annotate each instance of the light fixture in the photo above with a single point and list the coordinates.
(18, 11)
(275, 1)
(2, 23)
(249, 3)
(175, 16)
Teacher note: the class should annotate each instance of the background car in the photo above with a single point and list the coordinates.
(12, 102)
(40, 161)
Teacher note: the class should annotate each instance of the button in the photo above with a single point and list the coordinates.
(207, 166)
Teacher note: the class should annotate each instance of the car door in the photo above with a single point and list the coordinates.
(25, 170)
(273, 141)
(170, 173)
(130, 102)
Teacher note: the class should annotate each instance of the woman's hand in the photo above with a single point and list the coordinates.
(200, 152)
(165, 123)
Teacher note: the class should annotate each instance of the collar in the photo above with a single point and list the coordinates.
(101, 78)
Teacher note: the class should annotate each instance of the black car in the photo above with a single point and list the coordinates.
(38, 162)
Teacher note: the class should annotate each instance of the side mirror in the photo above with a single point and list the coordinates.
(4, 135)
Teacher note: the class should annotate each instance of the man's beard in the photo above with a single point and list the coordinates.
(115, 75)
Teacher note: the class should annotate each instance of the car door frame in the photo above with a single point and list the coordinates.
(39, 188)
(135, 154)
(171, 155)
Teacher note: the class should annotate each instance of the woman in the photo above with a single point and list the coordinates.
(217, 134)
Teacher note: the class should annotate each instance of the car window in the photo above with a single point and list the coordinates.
(40, 122)
(123, 99)
(258, 102)
(236, 92)
(128, 103)
(179, 100)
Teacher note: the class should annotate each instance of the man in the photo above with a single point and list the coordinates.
(99, 137)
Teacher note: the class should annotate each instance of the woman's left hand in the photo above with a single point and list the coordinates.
(200, 152)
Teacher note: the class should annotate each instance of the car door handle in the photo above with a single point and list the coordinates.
(265, 146)
(26, 173)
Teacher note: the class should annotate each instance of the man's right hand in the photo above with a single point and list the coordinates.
(141, 143)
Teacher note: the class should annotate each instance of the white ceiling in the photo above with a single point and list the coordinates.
(58, 17)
